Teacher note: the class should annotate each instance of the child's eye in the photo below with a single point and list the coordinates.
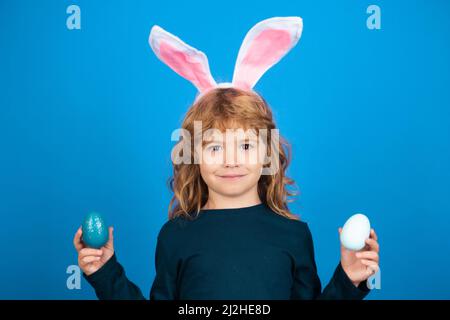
(247, 146)
(215, 148)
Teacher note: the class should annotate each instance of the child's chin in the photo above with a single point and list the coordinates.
(231, 191)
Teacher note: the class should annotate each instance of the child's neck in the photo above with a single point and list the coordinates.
(218, 201)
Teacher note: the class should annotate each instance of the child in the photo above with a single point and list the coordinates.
(230, 234)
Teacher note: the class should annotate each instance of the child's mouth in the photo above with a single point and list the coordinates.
(232, 177)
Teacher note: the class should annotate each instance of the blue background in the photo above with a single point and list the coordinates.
(86, 117)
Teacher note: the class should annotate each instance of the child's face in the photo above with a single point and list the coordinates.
(230, 164)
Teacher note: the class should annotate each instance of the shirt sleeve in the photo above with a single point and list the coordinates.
(307, 284)
(164, 285)
(111, 283)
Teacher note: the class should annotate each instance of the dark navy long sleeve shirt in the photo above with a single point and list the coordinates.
(244, 253)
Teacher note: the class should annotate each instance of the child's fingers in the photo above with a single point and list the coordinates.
(111, 237)
(88, 259)
(90, 252)
(370, 255)
(343, 249)
(371, 266)
(77, 240)
(373, 235)
(373, 245)
(111, 233)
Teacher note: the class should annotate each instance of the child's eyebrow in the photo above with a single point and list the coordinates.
(206, 141)
(248, 139)
(212, 141)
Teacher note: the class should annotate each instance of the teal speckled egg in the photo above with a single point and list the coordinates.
(95, 230)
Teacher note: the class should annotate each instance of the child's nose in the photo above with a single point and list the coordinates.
(230, 157)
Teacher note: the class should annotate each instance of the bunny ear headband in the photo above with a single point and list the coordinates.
(263, 46)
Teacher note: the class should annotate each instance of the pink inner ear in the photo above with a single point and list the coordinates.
(185, 65)
(267, 48)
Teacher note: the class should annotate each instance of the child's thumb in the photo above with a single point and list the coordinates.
(111, 236)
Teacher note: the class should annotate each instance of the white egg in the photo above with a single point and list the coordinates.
(355, 232)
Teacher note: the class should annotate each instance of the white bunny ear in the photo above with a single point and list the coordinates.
(185, 60)
(263, 46)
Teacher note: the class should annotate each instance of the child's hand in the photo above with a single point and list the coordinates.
(90, 260)
(360, 265)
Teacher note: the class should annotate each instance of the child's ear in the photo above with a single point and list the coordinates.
(185, 60)
(263, 46)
